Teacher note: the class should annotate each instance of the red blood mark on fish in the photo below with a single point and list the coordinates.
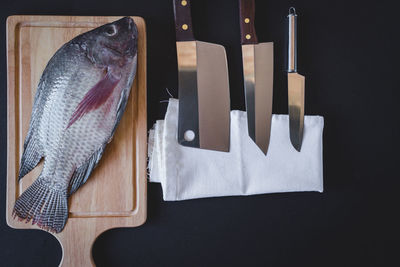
(95, 97)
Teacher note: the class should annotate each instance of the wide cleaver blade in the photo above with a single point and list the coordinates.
(204, 102)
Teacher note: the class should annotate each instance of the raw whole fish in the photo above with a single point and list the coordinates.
(79, 102)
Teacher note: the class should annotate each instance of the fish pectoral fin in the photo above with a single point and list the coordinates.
(120, 110)
(95, 97)
(31, 156)
(83, 172)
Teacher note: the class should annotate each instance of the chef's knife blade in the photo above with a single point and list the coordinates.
(258, 77)
(296, 84)
(204, 102)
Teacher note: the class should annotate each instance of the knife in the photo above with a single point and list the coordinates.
(258, 65)
(204, 101)
(296, 84)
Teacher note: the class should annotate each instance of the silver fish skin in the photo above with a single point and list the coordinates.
(79, 102)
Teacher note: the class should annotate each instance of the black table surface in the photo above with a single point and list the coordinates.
(348, 52)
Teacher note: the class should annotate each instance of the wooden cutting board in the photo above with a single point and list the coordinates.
(115, 194)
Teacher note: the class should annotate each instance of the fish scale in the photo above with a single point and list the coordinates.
(79, 101)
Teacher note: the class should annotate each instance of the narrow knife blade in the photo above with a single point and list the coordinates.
(296, 85)
(249, 87)
(258, 81)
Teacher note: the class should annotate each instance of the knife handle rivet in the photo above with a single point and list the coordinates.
(185, 27)
(183, 3)
(246, 20)
(248, 36)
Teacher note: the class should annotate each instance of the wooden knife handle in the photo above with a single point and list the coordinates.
(247, 10)
(183, 20)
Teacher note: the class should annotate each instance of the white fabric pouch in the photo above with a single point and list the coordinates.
(187, 173)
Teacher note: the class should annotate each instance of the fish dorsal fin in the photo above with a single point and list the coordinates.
(95, 97)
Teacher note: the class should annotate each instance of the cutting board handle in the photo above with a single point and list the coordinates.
(183, 20)
(79, 252)
(247, 10)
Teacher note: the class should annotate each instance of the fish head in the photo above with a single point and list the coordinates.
(112, 45)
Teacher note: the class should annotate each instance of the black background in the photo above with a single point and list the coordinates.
(348, 51)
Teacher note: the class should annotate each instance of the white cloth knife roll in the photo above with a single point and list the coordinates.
(188, 173)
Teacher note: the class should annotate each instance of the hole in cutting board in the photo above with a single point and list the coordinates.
(189, 135)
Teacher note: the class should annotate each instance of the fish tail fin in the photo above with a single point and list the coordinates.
(47, 207)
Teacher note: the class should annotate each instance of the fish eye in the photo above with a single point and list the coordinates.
(111, 30)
